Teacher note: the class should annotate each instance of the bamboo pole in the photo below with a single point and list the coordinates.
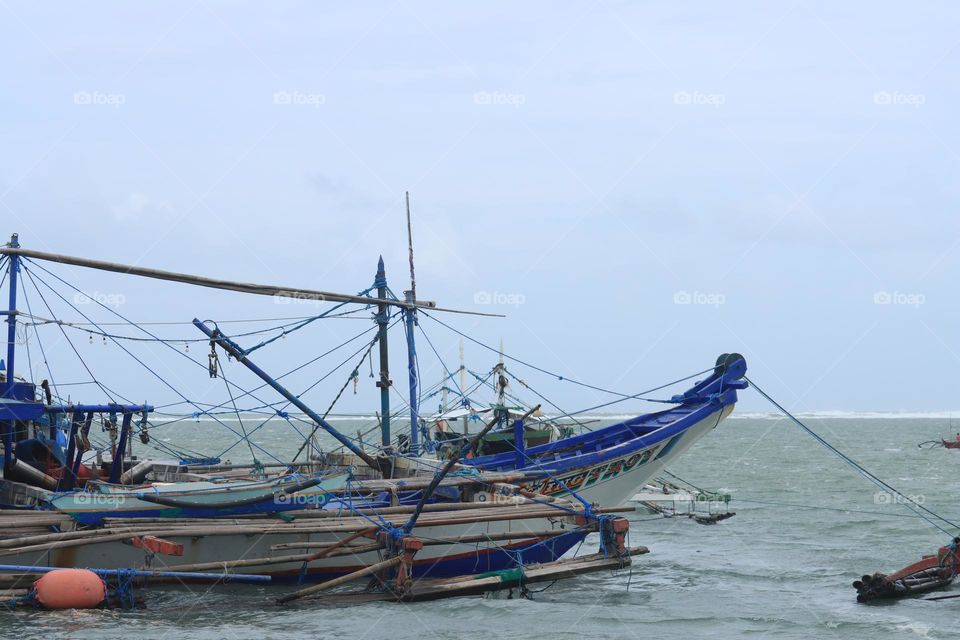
(482, 537)
(256, 562)
(336, 582)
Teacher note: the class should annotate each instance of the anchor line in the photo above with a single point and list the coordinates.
(907, 501)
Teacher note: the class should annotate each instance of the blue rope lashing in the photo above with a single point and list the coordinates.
(604, 521)
(124, 589)
(29, 598)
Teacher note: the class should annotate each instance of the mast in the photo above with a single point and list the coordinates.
(410, 321)
(14, 269)
(463, 387)
(383, 318)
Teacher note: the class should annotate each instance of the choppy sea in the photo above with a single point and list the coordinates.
(807, 525)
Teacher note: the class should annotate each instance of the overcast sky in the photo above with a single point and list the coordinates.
(639, 187)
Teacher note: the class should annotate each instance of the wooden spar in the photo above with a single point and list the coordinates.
(493, 514)
(214, 283)
(278, 528)
(481, 537)
(341, 543)
(342, 548)
(329, 584)
(438, 478)
(438, 588)
(256, 562)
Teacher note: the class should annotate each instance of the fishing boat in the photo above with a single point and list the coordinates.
(494, 531)
(609, 465)
(468, 522)
(930, 573)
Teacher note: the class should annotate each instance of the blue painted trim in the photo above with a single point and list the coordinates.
(642, 432)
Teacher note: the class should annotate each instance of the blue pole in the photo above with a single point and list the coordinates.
(14, 270)
(383, 318)
(234, 350)
(410, 319)
(142, 573)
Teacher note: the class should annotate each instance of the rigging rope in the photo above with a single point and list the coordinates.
(907, 501)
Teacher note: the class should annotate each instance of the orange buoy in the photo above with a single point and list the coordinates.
(70, 589)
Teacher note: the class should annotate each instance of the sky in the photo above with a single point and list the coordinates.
(637, 187)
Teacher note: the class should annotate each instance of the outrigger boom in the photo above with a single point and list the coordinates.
(228, 285)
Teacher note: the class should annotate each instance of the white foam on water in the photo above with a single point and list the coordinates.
(853, 415)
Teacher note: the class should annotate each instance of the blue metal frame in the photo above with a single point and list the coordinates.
(410, 321)
(14, 270)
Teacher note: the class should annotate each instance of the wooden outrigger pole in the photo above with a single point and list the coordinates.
(15, 251)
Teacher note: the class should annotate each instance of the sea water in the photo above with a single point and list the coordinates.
(807, 525)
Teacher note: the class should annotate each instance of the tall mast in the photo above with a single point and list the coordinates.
(410, 321)
(14, 269)
(463, 386)
(383, 318)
